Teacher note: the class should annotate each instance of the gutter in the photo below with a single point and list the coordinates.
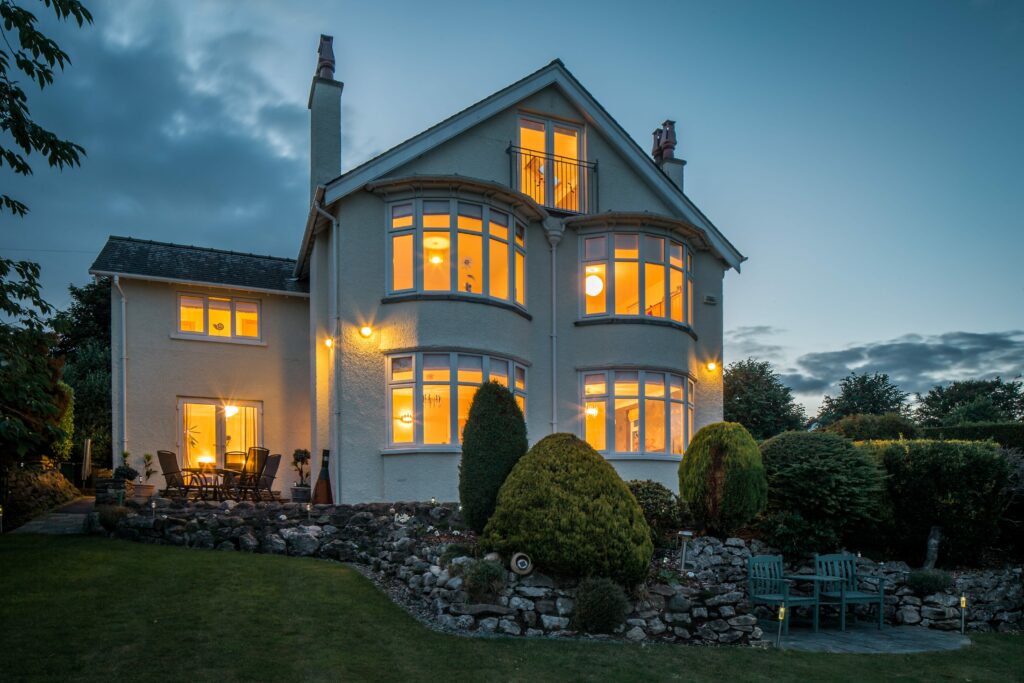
(554, 229)
(124, 368)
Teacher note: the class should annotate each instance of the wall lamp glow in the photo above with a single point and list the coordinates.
(328, 342)
(365, 331)
(712, 366)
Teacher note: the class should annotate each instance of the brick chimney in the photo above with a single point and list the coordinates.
(324, 119)
(664, 152)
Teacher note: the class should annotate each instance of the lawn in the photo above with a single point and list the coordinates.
(79, 609)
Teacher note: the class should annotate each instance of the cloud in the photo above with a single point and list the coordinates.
(747, 342)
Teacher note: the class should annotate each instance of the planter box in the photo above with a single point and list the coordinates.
(300, 494)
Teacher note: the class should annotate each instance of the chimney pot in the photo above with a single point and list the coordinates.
(668, 140)
(324, 119)
(325, 57)
(656, 149)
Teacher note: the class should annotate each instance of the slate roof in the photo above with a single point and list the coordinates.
(166, 261)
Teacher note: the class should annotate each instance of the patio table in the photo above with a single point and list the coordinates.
(816, 579)
(209, 480)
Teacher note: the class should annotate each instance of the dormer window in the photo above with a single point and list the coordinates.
(550, 167)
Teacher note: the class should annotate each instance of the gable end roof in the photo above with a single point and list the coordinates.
(163, 261)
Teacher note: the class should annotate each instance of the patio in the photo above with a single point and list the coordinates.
(863, 637)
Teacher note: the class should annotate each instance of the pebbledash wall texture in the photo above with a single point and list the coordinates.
(403, 546)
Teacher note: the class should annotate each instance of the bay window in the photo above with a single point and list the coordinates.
(218, 317)
(637, 411)
(441, 245)
(430, 393)
(637, 275)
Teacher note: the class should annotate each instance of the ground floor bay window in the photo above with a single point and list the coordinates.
(429, 394)
(637, 412)
(213, 431)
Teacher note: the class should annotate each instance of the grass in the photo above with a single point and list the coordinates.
(84, 609)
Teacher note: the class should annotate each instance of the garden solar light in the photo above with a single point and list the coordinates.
(433, 500)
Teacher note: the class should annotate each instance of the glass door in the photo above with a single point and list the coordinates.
(210, 428)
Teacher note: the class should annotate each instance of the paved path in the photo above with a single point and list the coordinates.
(67, 519)
(866, 638)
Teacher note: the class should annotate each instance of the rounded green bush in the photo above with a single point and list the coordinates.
(493, 440)
(662, 508)
(721, 477)
(601, 606)
(567, 508)
(866, 427)
(821, 490)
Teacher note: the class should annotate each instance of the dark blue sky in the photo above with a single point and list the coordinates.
(865, 156)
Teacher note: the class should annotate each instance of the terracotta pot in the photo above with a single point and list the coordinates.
(144, 491)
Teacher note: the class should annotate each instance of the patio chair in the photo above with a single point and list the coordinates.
(269, 474)
(766, 586)
(177, 482)
(250, 477)
(234, 460)
(845, 589)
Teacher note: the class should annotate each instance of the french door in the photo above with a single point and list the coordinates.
(208, 428)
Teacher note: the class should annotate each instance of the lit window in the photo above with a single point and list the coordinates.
(216, 433)
(217, 316)
(431, 393)
(446, 246)
(650, 277)
(637, 412)
(549, 166)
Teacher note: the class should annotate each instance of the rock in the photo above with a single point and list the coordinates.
(552, 623)
(678, 603)
(518, 603)
(537, 580)
(534, 632)
(939, 613)
(490, 625)
(718, 625)
(564, 606)
(533, 592)
(908, 615)
(301, 541)
(228, 505)
(662, 589)
(510, 627)
(730, 598)
(656, 626)
(545, 606)
(700, 613)
(478, 609)
(454, 584)
(225, 545)
(729, 637)
(274, 545)
(726, 611)
(464, 622)
(735, 543)
(247, 543)
(636, 634)
(743, 620)
(462, 562)
(942, 600)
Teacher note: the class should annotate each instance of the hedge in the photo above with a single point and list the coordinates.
(1006, 434)
(866, 427)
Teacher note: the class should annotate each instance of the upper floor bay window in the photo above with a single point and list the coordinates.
(456, 246)
(637, 412)
(550, 167)
(218, 316)
(639, 275)
(429, 394)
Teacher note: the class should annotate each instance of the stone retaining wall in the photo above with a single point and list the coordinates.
(404, 545)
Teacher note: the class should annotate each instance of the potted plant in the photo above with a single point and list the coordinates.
(146, 490)
(300, 463)
(124, 476)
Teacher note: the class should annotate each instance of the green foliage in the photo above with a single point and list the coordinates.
(35, 56)
(863, 394)
(125, 471)
(566, 507)
(755, 397)
(601, 606)
(821, 490)
(968, 401)
(31, 401)
(957, 485)
(147, 466)
(484, 579)
(663, 510)
(454, 550)
(300, 461)
(928, 581)
(870, 427)
(493, 441)
(111, 516)
(722, 479)
(1006, 434)
(62, 447)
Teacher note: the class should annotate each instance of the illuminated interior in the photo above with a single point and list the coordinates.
(532, 174)
(210, 429)
(191, 316)
(247, 319)
(645, 412)
(549, 163)
(401, 262)
(218, 316)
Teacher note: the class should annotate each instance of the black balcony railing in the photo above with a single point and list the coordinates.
(556, 182)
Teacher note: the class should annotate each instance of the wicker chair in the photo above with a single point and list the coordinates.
(178, 482)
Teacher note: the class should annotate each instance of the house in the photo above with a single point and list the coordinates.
(526, 240)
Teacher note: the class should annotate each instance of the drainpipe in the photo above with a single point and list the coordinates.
(124, 369)
(334, 305)
(554, 229)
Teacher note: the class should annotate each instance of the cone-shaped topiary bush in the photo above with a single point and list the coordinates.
(721, 477)
(567, 508)
(493, 440)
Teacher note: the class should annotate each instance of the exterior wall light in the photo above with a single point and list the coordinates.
(365, 331)
(712, 366)
(328, 342)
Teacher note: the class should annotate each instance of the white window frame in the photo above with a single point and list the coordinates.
(205, 335)
(609, 286)
(417, 230)
(417, 384)
(549, 152)
(608, 397)
(221, 437)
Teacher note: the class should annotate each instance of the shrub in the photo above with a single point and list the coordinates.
(1006, 434)
(662, 510)
(821, 489)
(62, 447)
(957, 485)
(111, 515)
(928, 581)
(454, 550)
(867, 427)
(566, 507)
(721, 477)
(125, 471)
(493, 441)
(484, 579)
(601, 606)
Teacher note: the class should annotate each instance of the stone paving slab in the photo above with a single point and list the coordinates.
(66, 520)
(865, 638)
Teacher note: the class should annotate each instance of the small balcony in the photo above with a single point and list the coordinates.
(555, 182)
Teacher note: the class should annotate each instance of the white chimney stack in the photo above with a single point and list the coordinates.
(324, 119)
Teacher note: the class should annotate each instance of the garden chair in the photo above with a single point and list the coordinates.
(234, 460)
(766, 586)
(269, 474)
(250, 477)
(177, 482)
(845, 588)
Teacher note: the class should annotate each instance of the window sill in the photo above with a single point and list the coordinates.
(451, 296)
(413, 449)
(641, 457)
(218, 340)
(586, 322)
